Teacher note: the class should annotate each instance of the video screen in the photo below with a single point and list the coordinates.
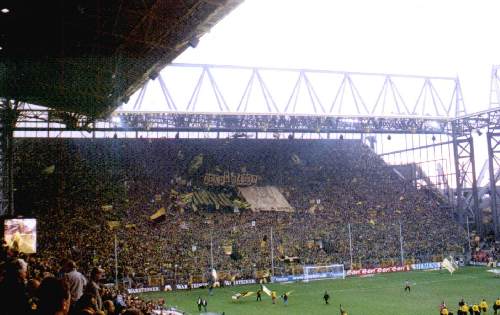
(20, 235)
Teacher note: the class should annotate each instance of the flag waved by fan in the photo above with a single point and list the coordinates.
(449, 264)
(266, 290)
(243, 294)
(214, 274)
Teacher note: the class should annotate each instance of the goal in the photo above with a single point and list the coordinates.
(324, 272)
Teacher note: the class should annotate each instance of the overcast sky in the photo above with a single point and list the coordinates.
(425, 37)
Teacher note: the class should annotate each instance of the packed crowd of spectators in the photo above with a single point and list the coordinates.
(485, 250)
(30, 286)
(339, 189)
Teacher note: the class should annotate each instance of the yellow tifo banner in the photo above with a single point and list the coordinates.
(49, 170)
(113, 224)
(158, 214)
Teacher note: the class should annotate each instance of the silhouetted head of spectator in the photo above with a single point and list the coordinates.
(32, 287)
(69, 266)
(87, 302)
(96, 274)
(54, 297)
(109, 307)
(16, 270)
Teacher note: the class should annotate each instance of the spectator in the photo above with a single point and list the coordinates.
(32, 288)
(76, 281)
(13, 289)
(93, 287)
(86, 305)
(55, 298)
(109, 307)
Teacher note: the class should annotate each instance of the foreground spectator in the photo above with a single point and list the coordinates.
(109, 307)
(55, 298)
(86, 305)
(13, 292)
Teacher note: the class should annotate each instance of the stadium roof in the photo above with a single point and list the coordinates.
(90, 56)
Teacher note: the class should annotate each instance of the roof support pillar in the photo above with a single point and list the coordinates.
(8, 119)
(494, 168)
(467, 200)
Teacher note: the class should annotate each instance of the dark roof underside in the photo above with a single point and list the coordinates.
(89, 56)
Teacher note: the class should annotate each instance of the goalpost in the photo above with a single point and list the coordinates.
(336, 271)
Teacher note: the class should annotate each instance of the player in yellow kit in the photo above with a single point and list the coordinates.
(483, 306)
(475, 309)
(464, 309)
(444, 311)
(496, 306)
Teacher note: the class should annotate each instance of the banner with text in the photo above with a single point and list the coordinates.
(230, 179)
(143, 290)
(426, 266)
(315, 276)
(372, 271)
(205, 284)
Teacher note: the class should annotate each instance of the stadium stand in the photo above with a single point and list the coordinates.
(86, 191)
(166, 201)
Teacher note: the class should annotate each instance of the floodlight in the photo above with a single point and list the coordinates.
(193, 42)
(153, 75)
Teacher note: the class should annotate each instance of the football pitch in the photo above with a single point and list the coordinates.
(381, 294)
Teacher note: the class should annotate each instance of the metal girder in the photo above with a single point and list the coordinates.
(284, 123)
(494, 167)
(241, 122)
(463, 151)
(485, 119)
(306, 91)
(45, 120)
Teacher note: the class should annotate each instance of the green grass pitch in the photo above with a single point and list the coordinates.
(378, 295)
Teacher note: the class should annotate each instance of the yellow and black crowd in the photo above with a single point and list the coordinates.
(90, 194)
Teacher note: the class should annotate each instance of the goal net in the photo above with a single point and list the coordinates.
(324, 272)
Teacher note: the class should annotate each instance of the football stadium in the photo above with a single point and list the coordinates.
(136, 179)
